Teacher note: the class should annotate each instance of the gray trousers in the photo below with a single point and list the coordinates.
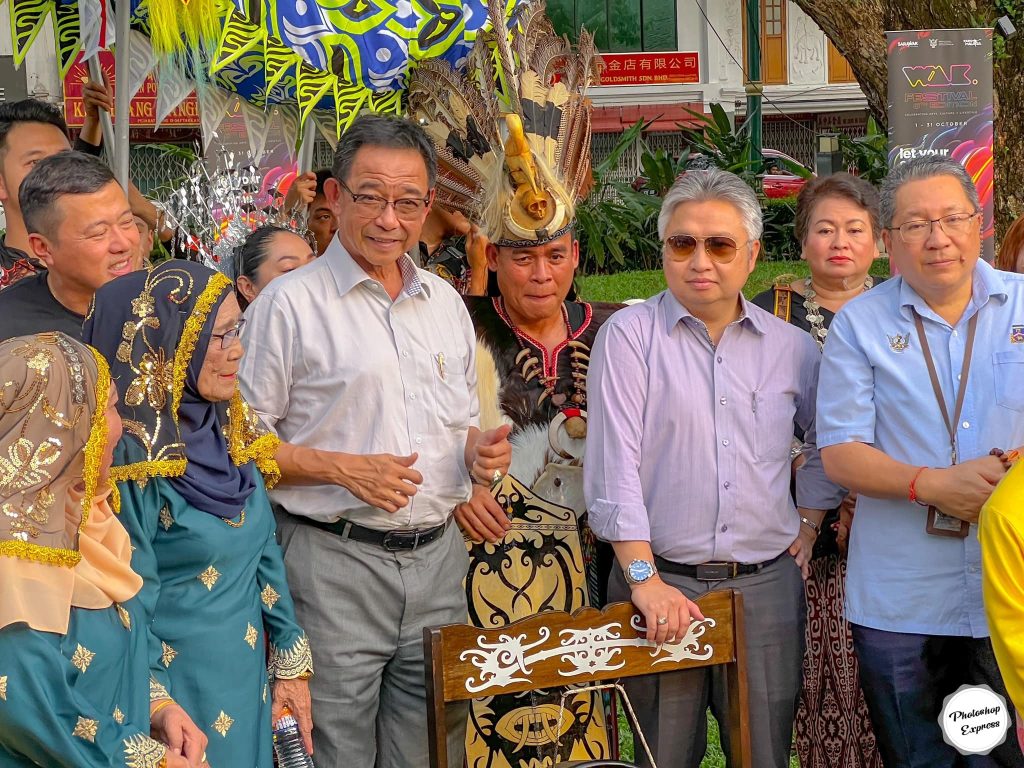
(672, 708)
(364, 610)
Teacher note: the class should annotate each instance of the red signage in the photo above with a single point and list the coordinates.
(650, 68)
(143, 106)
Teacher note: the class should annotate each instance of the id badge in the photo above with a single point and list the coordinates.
(939, 524)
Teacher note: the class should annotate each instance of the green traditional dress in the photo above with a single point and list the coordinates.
(80, 699)
(191, 477)
(74, 664)
(219, 593)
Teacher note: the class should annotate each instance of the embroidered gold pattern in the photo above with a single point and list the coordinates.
(209, 577)
(249, 440)
(82, 658)
(118, 716)
(156, 691)
(86, 729)
(223, 723)
(251, 635)
(126, 618)
(3, 688)
(168, 655)
(165, 518)
(269, 596)
(264, 693)
(143, 752)
(296, 662)
(153, 383)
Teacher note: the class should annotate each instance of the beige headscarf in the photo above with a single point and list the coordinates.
(60, 544)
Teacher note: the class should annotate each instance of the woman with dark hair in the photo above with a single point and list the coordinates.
(192, 471)
(838, 226)
(268, 253)
(74, 660)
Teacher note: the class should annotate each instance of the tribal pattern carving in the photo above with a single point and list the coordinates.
(586, 652)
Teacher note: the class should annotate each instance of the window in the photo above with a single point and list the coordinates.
(618, 26)
(774, 55)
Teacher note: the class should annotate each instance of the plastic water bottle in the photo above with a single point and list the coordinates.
(288, 746)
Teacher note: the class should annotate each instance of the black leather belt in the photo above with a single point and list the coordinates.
(713, 571)
(399, 539)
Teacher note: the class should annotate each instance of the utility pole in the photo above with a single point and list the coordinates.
(753, 85)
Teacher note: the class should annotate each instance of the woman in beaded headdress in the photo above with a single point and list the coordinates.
(192, 470)
(74, 662)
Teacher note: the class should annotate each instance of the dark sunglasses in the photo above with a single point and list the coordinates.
(719, 248)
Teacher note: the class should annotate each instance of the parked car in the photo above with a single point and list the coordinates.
(781, 176)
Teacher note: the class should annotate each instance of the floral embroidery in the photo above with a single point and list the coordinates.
(168, 655)
(153, 384)
(209, 577)
(118, 716)
(126, 618)
(165, 518)
(269, 596)
(291, 664)
(251, 635)
(223, 723)
(156, 691)
(86, 729)
(3, 688)
(143, 752)
(82, 658)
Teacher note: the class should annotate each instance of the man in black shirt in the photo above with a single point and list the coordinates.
(29, 131)
(80, 228)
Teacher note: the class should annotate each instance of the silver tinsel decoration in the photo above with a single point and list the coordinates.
(213, 213)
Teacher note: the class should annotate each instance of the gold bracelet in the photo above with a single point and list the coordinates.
(162, 704)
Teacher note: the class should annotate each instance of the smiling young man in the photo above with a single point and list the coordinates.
(694, 399)
(920, 381)
(365, 365)
(81, 230)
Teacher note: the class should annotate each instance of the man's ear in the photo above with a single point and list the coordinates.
(492, 257)
(40, 248)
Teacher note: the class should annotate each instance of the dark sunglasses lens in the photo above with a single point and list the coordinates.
(720, 248)
(682, 246)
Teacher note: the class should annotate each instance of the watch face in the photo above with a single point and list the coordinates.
(640, 570)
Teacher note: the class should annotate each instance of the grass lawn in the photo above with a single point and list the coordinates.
(641, 285)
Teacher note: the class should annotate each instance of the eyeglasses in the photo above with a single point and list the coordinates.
(372, 205)
(229, 337)
(918, 231)
(719, 248)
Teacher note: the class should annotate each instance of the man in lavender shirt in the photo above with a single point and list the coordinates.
(695, 397)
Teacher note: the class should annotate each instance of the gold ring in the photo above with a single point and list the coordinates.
(496, 477)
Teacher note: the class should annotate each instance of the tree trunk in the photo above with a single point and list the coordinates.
(857, 28)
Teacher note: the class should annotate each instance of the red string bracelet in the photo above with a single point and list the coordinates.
(912, 491)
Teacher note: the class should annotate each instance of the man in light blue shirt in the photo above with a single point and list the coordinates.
(913, 591)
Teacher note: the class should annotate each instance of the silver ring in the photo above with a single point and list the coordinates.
(496, 477)
(662, 621)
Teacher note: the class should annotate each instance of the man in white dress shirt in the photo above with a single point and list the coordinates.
(364, 365)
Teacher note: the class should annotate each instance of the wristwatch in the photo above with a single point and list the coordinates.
(639, 571)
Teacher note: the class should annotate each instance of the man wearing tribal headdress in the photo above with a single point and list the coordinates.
(514, 157)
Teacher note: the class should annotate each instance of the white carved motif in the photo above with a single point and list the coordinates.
(586, 651)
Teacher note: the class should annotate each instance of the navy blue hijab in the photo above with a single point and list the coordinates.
(155, 328)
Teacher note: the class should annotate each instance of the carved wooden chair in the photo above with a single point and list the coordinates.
(589, 647)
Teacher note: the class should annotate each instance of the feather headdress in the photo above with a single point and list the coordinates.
(512, 127)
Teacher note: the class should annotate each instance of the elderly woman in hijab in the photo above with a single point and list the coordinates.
(74, 662)
(192, 470)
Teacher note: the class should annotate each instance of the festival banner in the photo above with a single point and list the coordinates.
(940, 103)
(144, 105)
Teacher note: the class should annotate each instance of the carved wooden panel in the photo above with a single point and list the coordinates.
(556, 649)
